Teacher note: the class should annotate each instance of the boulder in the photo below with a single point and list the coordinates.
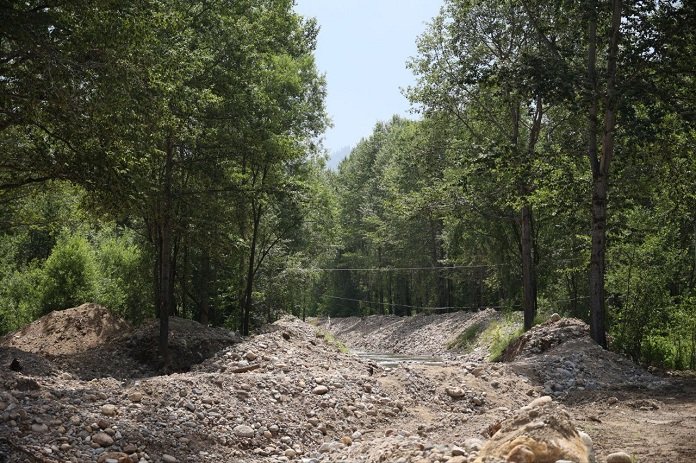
(541, 432)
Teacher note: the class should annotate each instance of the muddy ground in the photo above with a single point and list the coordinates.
(295, 394)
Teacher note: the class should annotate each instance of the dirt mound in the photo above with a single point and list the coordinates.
(90, 342)
(549, 334)
(560, 355)
(69, 331)
(189, 343)
(418, 335)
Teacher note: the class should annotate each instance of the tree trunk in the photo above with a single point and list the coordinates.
(600, 165)
(248, 293)
(528, 274)
(204, 307)
(165, 256)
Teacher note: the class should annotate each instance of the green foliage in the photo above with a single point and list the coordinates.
(120, 285)
(332, 341)
(466, 340)
(69, 275)
(500, 334)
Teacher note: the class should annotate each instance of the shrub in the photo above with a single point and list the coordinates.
(69, 274)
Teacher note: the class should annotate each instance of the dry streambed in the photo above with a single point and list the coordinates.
(291, 395)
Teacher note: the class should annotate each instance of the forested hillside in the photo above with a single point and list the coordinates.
(165, 158)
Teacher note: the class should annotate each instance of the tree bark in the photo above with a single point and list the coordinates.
(600, 164)
(204, 307)
(248, 293)
(165, 255)
(528, 273)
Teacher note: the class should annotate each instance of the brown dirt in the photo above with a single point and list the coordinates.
(411, 413)
(69, 331)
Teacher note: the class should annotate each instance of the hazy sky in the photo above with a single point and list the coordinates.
(363, 46)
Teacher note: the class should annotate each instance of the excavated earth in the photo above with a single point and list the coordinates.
(98, 394)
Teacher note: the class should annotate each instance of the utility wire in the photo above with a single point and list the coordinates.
(447, 308)
(411, 306)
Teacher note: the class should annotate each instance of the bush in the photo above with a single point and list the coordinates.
(122, 282)
(69, 275)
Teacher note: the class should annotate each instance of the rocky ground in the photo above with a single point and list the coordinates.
(292, 394)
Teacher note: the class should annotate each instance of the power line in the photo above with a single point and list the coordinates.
(390, 269)
(411, 306)
(393, 304)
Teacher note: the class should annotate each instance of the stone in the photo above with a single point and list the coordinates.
(347, 441)
(103, 439)
(169, 459)
(108, 457)
(320, 390)
(39, 427)
(619, 457)
(549, 435)
(458, 451)
(521, 454)
(250, 356)
(455, 392)
(243, 430)
(136, 397)
(109, 410)
(554, 318)
(290, 453)
(458, 459)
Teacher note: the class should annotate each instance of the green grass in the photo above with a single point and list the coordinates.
(466, 340)
(331, 340)
(500, 333)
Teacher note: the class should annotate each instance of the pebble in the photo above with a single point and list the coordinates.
(103, 439)
(619, 457)
(243, 430)
(320, 390)
(169, 459)
(109, 410)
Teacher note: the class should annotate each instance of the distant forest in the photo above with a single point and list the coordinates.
(165, 158)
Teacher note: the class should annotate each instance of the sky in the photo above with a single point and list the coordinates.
(363, 46)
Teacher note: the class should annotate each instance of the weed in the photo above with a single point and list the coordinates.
(466, 340)
(331, 340)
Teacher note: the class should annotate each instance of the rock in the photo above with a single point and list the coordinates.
(109, 410)
(347, 441)
(103, 439)
(534, 434)
(458, 459)
(458, 451)
(243, 430)
(320, 390)
(250, 356)
(169, 459)
(455, 392)
(136, 397)
(39, 427)
(619, 457)
(521, 454)
(538, 402)
(554, 318)
(290, 453)
(107, 457)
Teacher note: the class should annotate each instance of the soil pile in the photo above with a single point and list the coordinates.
(189, 343)
(561, 355)
(418, 335)
(90, 342)
(69, 331)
